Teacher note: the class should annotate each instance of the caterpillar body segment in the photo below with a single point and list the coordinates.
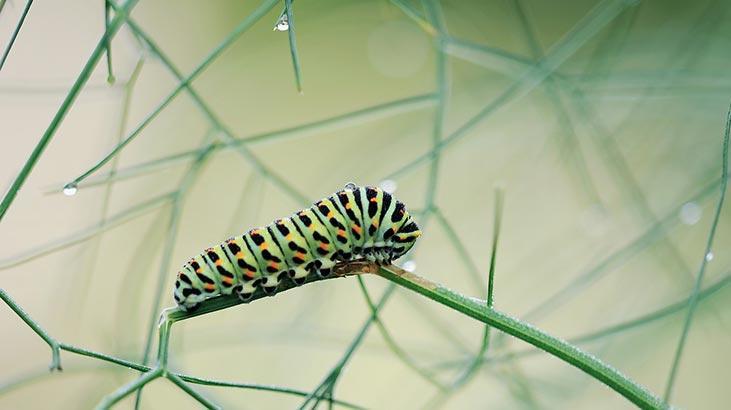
(337, 225)
(355, 223)
(295, 248)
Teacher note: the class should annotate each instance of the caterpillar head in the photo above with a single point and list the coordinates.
(405, 238)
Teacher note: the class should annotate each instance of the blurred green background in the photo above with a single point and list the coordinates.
(600, 120)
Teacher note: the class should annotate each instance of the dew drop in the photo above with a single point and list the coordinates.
(709, 256)
(409, 266)
(282, 24)
(388, 185)
(70, 189)
(690, 213)
(350, 186)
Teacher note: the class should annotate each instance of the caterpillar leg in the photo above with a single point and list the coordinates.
(324, 267)
(244, 292)
(270, 283)
(299, 274)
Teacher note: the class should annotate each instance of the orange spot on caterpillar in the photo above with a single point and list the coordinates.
(274, 265)
(227, 280)
(374, 199)
(209, 286)
(288, 237)
(239, 255)
(250, 274)
(300, 255)
(341, 232)
(330, 214)
(357, 228)
(324, 246)
(263, 245)
(347, 205)
(219, 262)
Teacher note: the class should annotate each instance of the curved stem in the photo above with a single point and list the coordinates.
(514, 327)
(52, 343)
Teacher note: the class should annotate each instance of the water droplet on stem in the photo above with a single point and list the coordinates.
(282, 24)
(70, 189)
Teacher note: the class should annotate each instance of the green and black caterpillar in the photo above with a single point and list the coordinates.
(356, 223)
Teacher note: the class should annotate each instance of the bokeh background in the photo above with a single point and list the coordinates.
(600, 120)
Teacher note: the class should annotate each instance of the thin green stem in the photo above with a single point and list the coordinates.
(172, 232)
(395, 348)
(84, 280)
(372, 113)
(81, 80)
(416, 16)
(557, 347)
(15, 32)
(228, 137)
(164, 336)
(189, 378)
(497, 220)
(129, 388)
(456, 242)
(611, 330)
(108, 45)
(707, 255)
(293, 46)
(249, 21)
(83, 235)
(282, 17)
(178, 381)
(104, 357)
(583, 31)
(52, 343)
(474, 365)
(334, 374)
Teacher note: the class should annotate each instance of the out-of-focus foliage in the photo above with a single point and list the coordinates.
(601, 120)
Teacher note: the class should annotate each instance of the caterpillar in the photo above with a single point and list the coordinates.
(355, 223)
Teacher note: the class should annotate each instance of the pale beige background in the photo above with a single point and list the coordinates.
(656, 81)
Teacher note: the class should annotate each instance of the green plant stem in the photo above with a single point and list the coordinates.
(57, 346)
(81, 80)
(172, 232)
(191, 392)
(249, 21)
(557, 347)
(415, 16)
(584, 30)
(455, 241)
(293, 46)
(328, 383)
(108, 45)
(185, 83)
(371, 113)
(129, 388)
(15, 32)
(52, 343)
(83, 235)
(477, 360)
(395, 348)
(611, 330)
(693, 302)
